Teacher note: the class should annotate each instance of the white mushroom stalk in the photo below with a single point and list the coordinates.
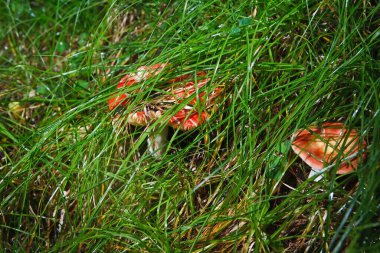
(157, 138)
(158, 142)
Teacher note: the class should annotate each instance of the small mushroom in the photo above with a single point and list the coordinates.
(320, 147)
(185, 119)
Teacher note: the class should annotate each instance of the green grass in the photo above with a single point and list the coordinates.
(233, 184)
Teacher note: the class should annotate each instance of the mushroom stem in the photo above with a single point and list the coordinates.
(158, 141)
(314, 172)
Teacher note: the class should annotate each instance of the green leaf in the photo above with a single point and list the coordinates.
(4, 131)
(235, 31)
(283, 147)
(278, 160)
(62, 46)
(82, 84)
(83, 38)
(43, 90)
(245, 22)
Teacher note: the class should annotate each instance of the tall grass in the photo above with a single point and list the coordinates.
(72, 181)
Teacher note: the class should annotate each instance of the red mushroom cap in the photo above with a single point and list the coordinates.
(143, 73)
(127, 80)
(116, 101)
(319, 146)
(187, 119)
(190, 88)
(187, 76)
(190, 117)
(146, 72)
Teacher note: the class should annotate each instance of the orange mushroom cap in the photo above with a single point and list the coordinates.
(320, 146)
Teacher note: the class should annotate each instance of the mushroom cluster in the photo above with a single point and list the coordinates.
(321, 147)
(195, 100)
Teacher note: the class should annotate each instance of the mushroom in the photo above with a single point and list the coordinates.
(321, 147)
(187, 118)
